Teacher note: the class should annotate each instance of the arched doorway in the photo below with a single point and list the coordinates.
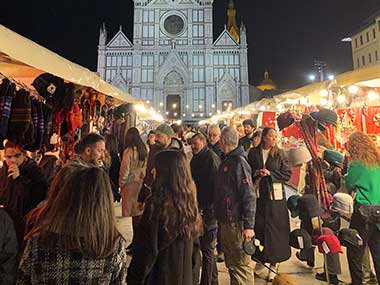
(173, 88)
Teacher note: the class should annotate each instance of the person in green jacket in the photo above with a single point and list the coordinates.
(363, 180)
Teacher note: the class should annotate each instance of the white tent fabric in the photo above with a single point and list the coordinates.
(23, 58)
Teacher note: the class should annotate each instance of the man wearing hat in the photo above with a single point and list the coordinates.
(249, 128)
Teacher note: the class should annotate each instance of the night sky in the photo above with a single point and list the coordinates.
(283, 36)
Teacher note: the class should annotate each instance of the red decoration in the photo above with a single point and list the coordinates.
(269, 119)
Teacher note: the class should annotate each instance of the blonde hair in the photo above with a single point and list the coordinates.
(363, 149)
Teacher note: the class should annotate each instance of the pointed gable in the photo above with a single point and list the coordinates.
(225, 40)
(120, 40)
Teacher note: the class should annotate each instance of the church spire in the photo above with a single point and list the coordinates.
(231, 23)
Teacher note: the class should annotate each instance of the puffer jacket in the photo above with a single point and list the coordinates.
(235, 200)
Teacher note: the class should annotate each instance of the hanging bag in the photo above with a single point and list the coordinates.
(369, 213)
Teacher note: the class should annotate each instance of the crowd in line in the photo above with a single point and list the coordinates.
(190, 195)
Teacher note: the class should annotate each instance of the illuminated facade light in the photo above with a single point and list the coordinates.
(353, 89)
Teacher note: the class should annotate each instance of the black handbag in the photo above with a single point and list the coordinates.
(369, 213)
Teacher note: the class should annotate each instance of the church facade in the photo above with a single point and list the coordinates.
(173, 62)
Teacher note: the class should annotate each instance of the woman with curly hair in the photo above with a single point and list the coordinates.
(363, 180)
(165, 250)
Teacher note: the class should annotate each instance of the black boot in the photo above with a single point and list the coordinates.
(333, 278)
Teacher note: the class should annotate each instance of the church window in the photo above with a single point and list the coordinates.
(108, 75)
(148, 31)
(148, 16)
(198, 59)
(114, 61)
(146, 95)
(198, 30)
(198, 74)
(147, 67)
(198, 16)
(109, 58)
(147, 75)
(113, 73)
(199, 100)
(119, 61)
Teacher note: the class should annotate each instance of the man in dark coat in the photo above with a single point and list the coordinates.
(235, 207)
(22, 185)
(204, 167)
(249, 129)
(8, 249)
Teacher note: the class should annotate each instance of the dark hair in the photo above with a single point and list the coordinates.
(257, 134)
(85, 196)
(249, 122)
(11, 144)
(174, 195)
(88, 141)
(199, 136)
(111, 144)
(178, 129)
(133, 139)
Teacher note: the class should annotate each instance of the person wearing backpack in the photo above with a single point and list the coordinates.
(363, 180)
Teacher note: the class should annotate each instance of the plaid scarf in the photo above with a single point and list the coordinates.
(7, 91)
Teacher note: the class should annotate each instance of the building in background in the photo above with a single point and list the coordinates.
(365, 43)
(173, 62)
(267, 83)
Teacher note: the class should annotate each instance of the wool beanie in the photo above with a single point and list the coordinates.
(321, 126)
(333, 157)
(300, 239)
(309, 207)
(329, 244)
(292, 204)
(164, 129)
(298, 156)
(284, 120)
(350, 237)
(327, 116)
(21, 118)
(343, 204)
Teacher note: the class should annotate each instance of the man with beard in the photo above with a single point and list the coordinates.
(246, 141)
(163, 139)
(204, 167)
(213, 140)
(22, 185)
(90, 151)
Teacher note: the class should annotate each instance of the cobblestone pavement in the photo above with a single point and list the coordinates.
(300, 271)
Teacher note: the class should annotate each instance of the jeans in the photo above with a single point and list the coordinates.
(209, 269)
(371, 237)
(240, 265)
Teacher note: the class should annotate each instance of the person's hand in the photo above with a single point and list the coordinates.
(266, 172)
(13, 171)
(140, 206)
(248, 234)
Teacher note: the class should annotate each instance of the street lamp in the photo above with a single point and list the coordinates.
(331, 77)
(311, 77)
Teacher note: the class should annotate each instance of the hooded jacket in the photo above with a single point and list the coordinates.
(216, 148)
(235, 200)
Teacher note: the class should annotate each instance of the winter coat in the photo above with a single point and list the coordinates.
(113, 173)
(22, 194)
(204, 168)
(8, 249)
(132, 172)
(157, 259)
(246, 142)
(50, 165)
(216, 148)
(234, 198)
(272, 218)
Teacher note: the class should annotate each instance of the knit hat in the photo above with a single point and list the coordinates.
(249, 122)
(7, 92)
(316, 233)
(321, 126)
(309, 207)
(343, 204)
(292, 204)
(326, 116)
(300, 239)
(164, 129)
(350, 237)
(284, 120)
(329, 244)
(332, 221)
(49, 86)
(298, 156)
(333, 157)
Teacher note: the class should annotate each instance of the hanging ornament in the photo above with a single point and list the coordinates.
(376, 120)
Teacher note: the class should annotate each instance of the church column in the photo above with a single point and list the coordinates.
(244, 66)
(102, 52)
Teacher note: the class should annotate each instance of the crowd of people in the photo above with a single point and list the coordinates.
(196, 197)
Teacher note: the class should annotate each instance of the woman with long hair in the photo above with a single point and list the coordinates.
(164, 252)
(114, 167)
(132, 173)
(272, 227)
(76, 239)
(363, 181)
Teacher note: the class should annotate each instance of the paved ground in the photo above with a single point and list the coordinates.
(300, 271)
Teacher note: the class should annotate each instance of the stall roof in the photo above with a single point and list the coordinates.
(23, 58)
(366, 76)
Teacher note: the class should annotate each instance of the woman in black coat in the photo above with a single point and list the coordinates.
(270, 171)
(166, 249)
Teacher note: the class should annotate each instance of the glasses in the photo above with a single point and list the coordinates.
(16, 155)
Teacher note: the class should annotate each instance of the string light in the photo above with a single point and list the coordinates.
(303, 101)
(324, 102)
(183, 115)
(262, 108)
(372, 95)
(213, 106)
(324, 93)
(187, 106)
(353, 89)
(341, 99)
(161, 104)
(174, 106)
